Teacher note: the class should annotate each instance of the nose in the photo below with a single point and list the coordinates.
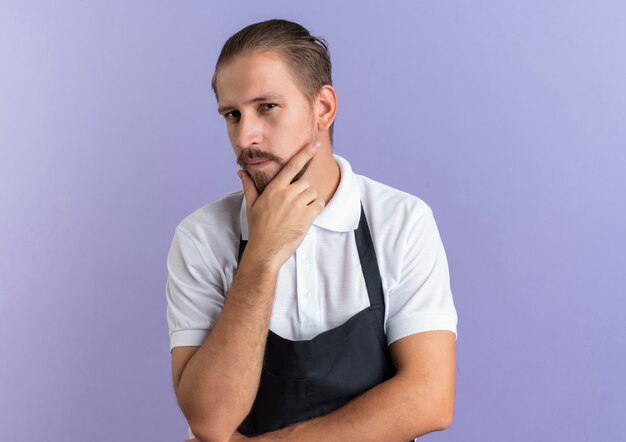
(248, 132)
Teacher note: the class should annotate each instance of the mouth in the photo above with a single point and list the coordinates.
(257, 164)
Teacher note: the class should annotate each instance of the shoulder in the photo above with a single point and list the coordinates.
(214, 223)
(401, 225)
(223, 212)
(388, 206)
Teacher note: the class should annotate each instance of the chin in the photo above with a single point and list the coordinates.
(261, 180)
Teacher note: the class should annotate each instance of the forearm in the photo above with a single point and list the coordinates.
(219, 383)
(392, 411)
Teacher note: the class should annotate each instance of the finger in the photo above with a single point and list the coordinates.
(299, 186)
(307, 196)
(316, 207)
(249, 189)
(296, 163)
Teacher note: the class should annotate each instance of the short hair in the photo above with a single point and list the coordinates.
(306, 56)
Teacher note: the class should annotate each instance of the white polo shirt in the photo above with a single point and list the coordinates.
(321, 286)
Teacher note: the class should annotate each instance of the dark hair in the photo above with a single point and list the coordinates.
(307, 56)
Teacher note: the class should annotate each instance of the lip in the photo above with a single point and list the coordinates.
(257, 164)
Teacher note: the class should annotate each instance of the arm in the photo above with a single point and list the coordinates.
(217, 386)
(216, 383)
(418, 400)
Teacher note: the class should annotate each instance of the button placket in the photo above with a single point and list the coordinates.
(307, 305)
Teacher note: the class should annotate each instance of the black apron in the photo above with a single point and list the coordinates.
(302, 380)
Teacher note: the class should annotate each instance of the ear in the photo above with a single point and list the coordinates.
(325, 107)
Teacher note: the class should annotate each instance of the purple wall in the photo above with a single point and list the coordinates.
(507, 118)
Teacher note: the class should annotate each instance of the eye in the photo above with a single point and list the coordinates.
(267, 106)
(232, 115)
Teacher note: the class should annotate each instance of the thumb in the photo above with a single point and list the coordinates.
(249, 189)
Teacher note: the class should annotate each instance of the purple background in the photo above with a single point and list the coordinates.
(507, 118)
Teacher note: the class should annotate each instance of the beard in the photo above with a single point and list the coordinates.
(260, 179)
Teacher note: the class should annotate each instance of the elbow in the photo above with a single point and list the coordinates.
(207, 428)
(430, 416)
(208, 424)
(442, 421)
(443, 416)
(207, 434)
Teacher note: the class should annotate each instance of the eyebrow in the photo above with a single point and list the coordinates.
(227, 107)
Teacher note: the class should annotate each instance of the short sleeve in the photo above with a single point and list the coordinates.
(194, 292)
(422, 298)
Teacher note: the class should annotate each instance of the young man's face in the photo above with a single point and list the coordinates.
(268, 117)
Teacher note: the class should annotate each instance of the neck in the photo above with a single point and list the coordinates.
(323, 173)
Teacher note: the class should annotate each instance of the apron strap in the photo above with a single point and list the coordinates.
(242, 247)
(367, 255)
(369, 263)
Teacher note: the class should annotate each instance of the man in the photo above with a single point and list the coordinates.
(314, 305)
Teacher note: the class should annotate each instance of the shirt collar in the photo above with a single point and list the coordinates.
(342, 212)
